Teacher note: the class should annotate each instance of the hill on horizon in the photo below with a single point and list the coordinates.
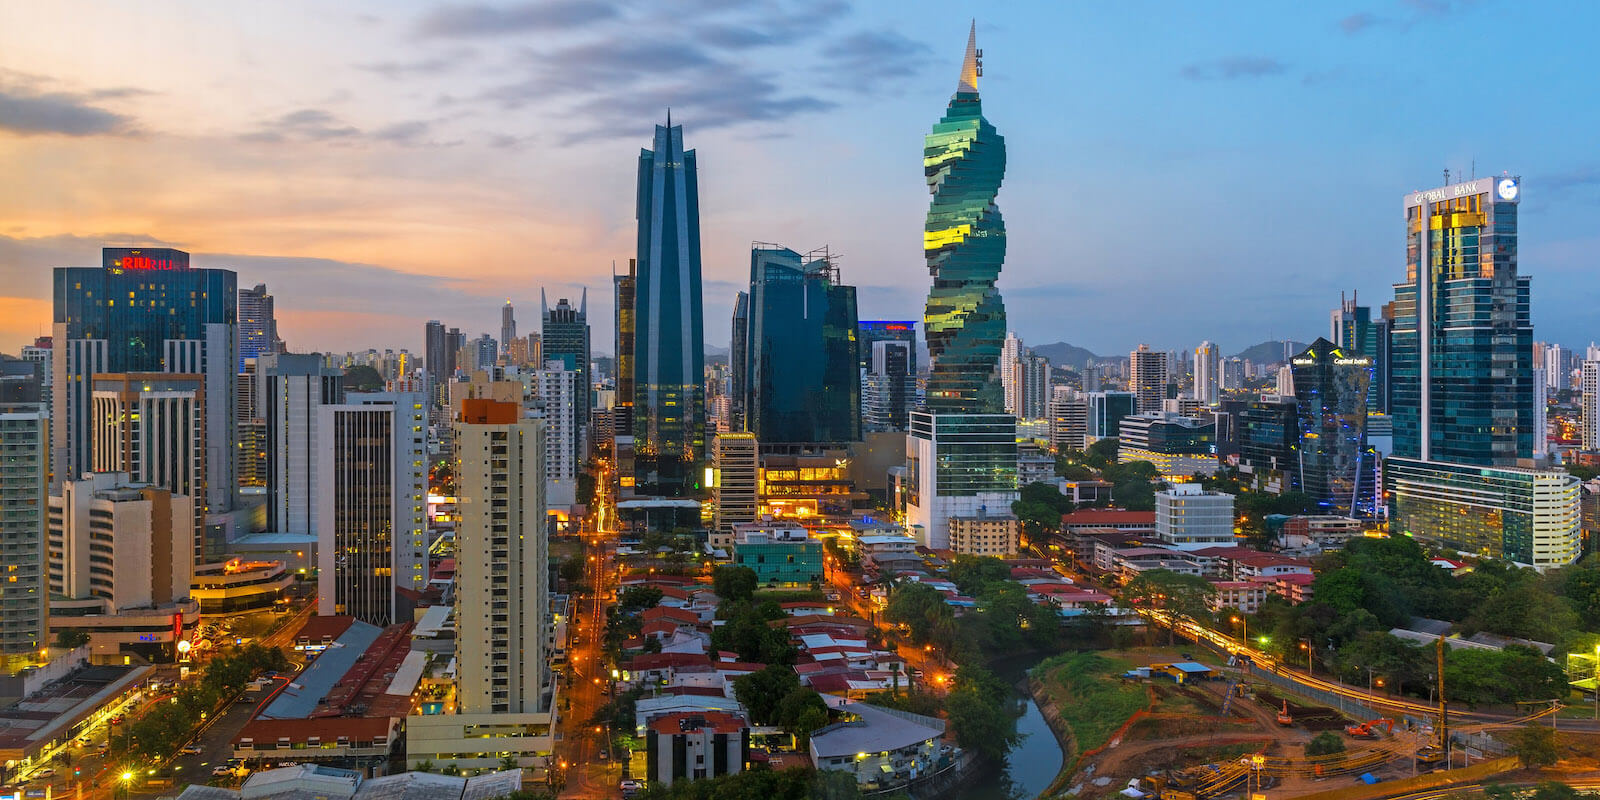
(1272, 352)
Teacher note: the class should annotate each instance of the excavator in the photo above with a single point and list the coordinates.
(1283, 715)
(1368, 729)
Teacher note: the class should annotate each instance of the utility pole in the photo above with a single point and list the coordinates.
(1444, 711)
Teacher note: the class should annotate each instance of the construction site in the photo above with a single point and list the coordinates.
(1210, 731)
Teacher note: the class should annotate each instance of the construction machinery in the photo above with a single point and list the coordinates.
(1283, 715)
(1369, 729)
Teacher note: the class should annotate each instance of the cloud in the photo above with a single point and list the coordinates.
(1234, 68)
(27, 112)
(868, 59)
(1579, 178)
(396, 70)
(460, 21)
(1358, 22)
(305, 125)
(405, 133)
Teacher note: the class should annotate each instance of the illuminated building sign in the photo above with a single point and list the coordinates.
(152, 259)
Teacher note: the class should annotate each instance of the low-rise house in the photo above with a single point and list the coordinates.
(882, 748)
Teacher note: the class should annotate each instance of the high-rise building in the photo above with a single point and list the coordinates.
(485, 352)
(561, 389)
(565, 338)
(1335, 465)
(1463, 337)
(145, 310)
(801, 383)
(1589, 405)
(964, 242)
(508, 325)
(1032, 374)
(1107, 410)
(1529, 516)
(623, 285)
(152, 426)
(294, 389)
(1069, 420)
(888, 386)
(1010, 374)
(961, 453)
(1206, 380)
(870, 331)
(40, 353)
(439, 356)
(24, 494)
(371, 505)
(1093, 377)
(739, 362)
(1147, 378)
(1556, 363)
(736, 492)
(502, 561)
(258, 327)
(1353, 330)
(1231, 374)
(669, 338)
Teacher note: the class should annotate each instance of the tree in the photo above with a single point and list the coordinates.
(919, 607)
(800, 712)
(1535, 746)
(71, 638)
(571, 569)
(1102, 453)
(1039, 508)
(639, 598)
(761, 692)
(971, 574)
(733, 582)
(1182, 596)
(1325, 744)
(980, 713)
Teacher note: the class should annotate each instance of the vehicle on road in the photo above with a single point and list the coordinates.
(47, 772)
(221, 771)
(191, 750)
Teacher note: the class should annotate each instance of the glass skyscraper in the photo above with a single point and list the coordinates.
(145, 310)
(799, 361)
(258, 328)
(1330, 390)
(964, 241)
(669, 342)
(1354, 330)
(1462, 343)
(565, 338)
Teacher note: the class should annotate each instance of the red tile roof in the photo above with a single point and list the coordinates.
(682, 615)
(685, 721)
(1108, 517)
(650, 661)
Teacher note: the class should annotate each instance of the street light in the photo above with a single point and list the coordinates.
(1244, 637)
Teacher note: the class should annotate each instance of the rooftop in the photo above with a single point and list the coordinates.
(877, 730)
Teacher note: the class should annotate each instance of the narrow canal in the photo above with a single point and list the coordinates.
(1033, 763)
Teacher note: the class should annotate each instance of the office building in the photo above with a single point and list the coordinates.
(624, 337)
(294, 390)
(739, 362)
(871, 331)
(1529, 516)
(258, 327)
(1069, 420)
(1191, 518)
(145, 310)
(1207, 360)
(958, 465)
(24, 494)
(1032, 378)
(1092, 377)
(736, 485)
(152, 426)
(40, 352)
(964, 243)
(669, 340)
(370, 512)
(561, 390)
(1106, 411)
(1336, 468)
(126, 543)
(565, 338)
(1589, 405)
(1147, 378)
(1179, 447)
(1231, 374)
(780, 555)
(439, 356)
(251, 458)
(888, 386)
(1354, 330)
(1462, 339)
(508, 326)
(502, 561)
(801, 383)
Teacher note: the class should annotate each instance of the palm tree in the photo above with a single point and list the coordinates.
(508, 763)
(422, 766)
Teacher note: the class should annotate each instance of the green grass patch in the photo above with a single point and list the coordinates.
(1092, 700)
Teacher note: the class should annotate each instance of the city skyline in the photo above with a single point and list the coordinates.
(1220, 141)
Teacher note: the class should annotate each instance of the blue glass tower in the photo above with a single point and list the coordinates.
(1330, 390)
(669, 343)
(800, 365)
(964, 241)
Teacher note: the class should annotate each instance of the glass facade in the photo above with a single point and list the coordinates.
(622, 413)
(869, 331)
(1331, 391)
(964, 242)
(1523, 515)
(975, 453)
(669, 343)
(564, 337)
(1462, 343)
(800, 365)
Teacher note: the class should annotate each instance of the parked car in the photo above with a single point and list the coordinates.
(221, 771)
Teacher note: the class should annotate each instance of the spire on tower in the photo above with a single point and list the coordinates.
(972, 65)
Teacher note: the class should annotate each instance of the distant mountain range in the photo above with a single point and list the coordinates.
(1062, 354)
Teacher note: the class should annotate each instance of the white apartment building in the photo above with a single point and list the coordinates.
(1191, 518)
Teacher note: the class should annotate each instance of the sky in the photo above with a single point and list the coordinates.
(1176, 172)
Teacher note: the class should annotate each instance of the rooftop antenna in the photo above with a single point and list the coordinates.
(1474, 169)
(1446, 174)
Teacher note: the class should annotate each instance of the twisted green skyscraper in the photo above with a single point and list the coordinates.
(964, 159)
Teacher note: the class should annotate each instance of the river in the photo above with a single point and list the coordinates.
(1032, 764)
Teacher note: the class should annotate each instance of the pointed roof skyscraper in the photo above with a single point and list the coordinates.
(972, 65)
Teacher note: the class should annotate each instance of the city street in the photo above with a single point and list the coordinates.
(578, 751)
